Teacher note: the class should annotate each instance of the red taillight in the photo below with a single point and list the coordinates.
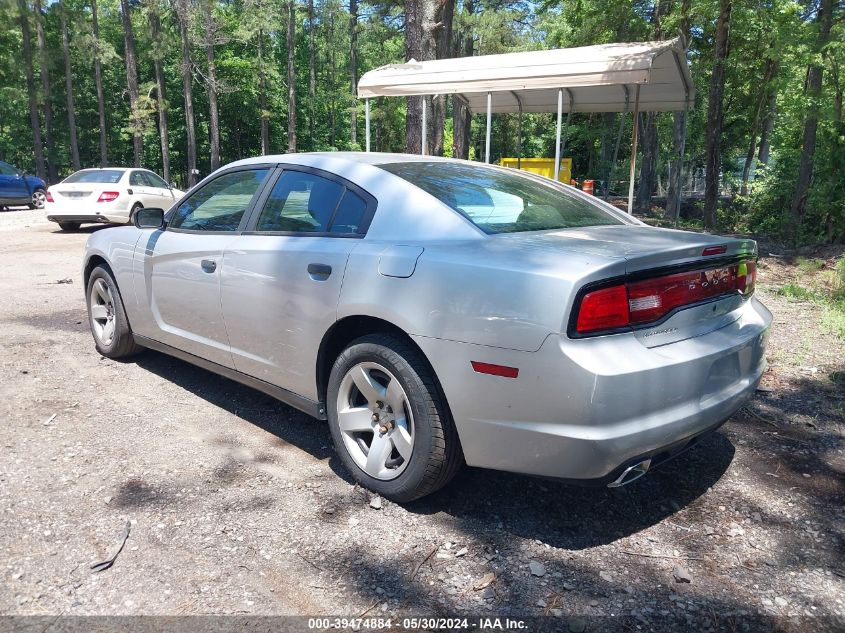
(603, 309)
(48, 196)
(642, 302)
(108, 196)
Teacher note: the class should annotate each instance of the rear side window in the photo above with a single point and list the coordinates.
(137, 179)
(303, 202)
(107, 176)
(497, 201)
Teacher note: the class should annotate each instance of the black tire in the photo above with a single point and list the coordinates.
(133, 211)
(122, 343)
(436, 456)
(69, 226)
(40, 195)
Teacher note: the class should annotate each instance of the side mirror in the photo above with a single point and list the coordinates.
(149, 218)
(172, 185)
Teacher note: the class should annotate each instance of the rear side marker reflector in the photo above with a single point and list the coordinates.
(639, 303)
(495, 370)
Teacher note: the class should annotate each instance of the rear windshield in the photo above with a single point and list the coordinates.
(500, 202)
(110, 176)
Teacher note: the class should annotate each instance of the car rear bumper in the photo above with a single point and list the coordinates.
(105, 216)
(586, 409)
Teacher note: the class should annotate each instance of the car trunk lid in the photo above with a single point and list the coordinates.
(651, 252)
(74, 192)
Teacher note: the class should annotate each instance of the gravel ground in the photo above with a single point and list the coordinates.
(237, 504)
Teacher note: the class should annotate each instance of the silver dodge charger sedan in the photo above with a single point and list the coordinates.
(438, 311)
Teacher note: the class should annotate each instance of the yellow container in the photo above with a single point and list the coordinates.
(542, 166)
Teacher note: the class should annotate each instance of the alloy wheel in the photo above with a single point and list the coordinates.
(39, 199)
(375, 420)
(101, 303)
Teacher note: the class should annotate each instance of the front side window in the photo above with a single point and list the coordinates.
(219, 205)
(7, 170)
(306, 203)
(107, 176)
(497, 201)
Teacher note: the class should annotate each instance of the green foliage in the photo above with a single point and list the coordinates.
(763, 32)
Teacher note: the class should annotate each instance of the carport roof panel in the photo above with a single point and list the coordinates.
(594, 78)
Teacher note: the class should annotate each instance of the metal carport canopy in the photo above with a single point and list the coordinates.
(622, 77)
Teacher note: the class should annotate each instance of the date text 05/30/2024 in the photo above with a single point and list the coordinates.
(415, 624)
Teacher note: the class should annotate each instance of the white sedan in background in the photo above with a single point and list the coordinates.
(105, 196)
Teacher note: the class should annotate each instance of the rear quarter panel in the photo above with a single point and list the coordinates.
(487, 292)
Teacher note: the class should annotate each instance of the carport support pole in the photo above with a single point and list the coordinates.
(424, 128)
(557, 135)
(487, 142)
(634, 150)
(367, 121)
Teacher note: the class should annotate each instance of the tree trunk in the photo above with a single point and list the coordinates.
(187, 89)
(649, 143)
(332, 74)
(98, 80)
(713, 154)
(71, 108)
(461, 116)
(132, 82)
(813, 91)
(353, 68)
(262, 97)
(291, 78)
(444, 19)
(420, 45)
(768, 128)
(673, 195)
(312, 76)
(679, 139)
(52, 172)
(648, 163)
(768, 75)
(213, 116)
(161, 90)
(34, 119)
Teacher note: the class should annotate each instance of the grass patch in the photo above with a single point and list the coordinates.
(833, 302)
(798, 293)
(809, 265)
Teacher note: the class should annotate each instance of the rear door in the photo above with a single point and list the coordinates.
(181, 265)
(163, 193)
(282, 278)
(141, 189)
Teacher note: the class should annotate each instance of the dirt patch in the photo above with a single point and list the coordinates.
(238, 505)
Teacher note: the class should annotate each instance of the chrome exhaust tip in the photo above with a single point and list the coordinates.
(632, 473)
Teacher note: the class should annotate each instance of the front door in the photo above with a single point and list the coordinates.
(182, 264)
(12, 184)
(282, 278)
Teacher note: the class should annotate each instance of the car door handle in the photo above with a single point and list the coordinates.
(319, 272)
(209, 265)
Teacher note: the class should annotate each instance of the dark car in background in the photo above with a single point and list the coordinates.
(18, 189)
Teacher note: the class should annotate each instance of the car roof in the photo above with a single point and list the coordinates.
(364, 158)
